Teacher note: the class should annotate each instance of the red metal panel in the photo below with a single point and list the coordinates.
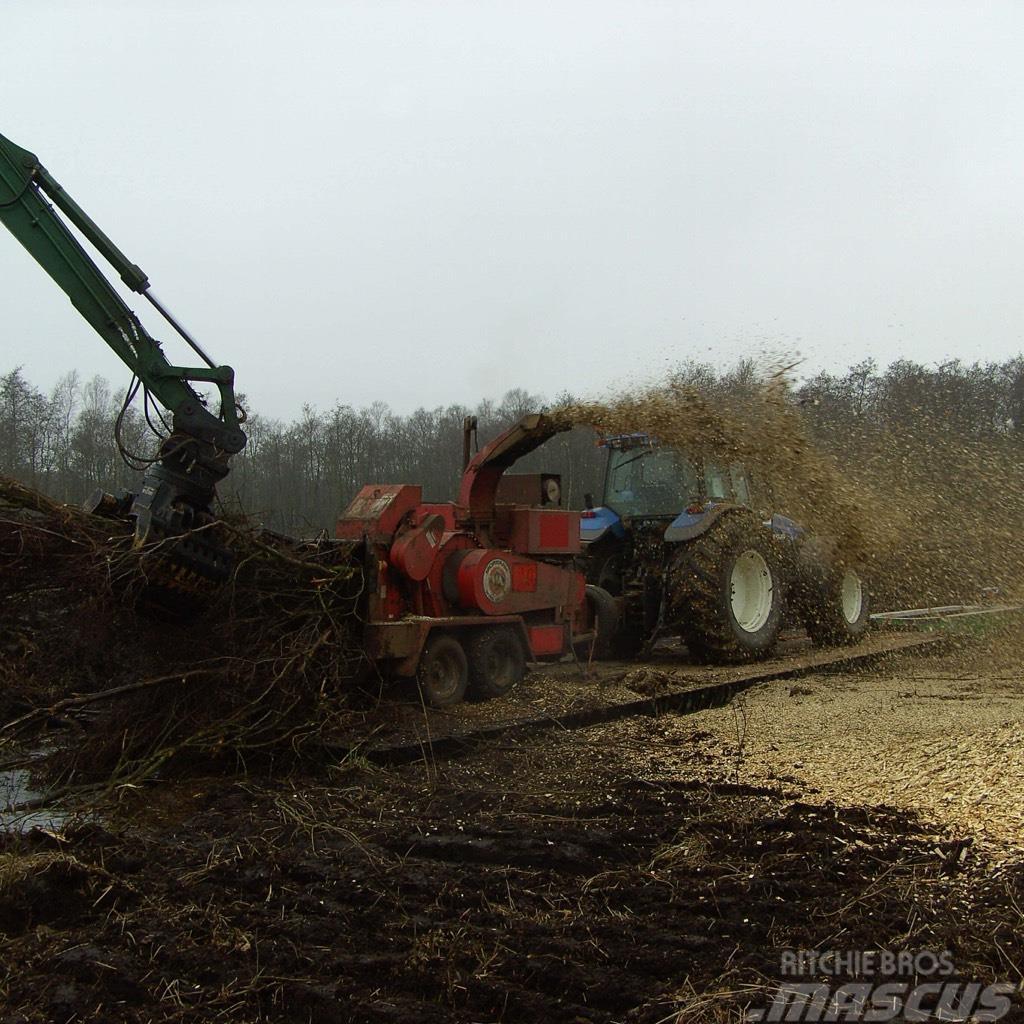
(554, 531)
(524, 577)
(544, 531)
(485, 581)
(546, 640)
(436, 599)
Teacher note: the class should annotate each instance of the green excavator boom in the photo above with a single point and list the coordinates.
(179, 486)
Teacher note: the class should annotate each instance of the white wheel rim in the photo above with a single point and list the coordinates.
(751, 589)
(852, 596)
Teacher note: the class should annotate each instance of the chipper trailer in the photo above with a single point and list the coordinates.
(462, 594)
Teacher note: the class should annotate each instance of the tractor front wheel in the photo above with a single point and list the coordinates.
(496, 661)
(443, 673)
(726, 592)
(604, 614)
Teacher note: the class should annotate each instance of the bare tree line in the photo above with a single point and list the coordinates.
(296, 476)
(977, 401)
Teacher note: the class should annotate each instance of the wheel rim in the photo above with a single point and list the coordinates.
(751, 591)
(441, 676)
(851, 596)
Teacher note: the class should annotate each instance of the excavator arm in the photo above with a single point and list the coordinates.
(179, 485)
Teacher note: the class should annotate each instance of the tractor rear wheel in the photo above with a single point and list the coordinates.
(835, 604)
(497, 661)
(725, 592)
(443, 672)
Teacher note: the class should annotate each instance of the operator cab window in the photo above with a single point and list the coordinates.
(740, 484)
(716, 483)
(650, 482)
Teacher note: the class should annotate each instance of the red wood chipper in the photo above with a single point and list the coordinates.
(461, 595)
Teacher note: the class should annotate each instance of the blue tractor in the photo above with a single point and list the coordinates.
(679, 544)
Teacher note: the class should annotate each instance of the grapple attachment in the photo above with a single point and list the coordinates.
(184, 554)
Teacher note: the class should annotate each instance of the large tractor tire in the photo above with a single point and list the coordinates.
(725, 592)
(497, 661)
(832, 597)
(443, 672)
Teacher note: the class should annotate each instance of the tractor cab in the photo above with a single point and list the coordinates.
(647, 481)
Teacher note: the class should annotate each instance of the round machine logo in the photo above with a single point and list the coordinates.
(497, 580)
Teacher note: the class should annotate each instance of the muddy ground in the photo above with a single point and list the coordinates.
(650, 870)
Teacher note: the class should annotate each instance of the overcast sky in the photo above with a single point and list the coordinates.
(432, 202)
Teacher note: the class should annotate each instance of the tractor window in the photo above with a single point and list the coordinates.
(740, 483)
(649, 482)
(716, 484)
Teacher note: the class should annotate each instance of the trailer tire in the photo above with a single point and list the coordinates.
(726, 592)
(443, 672)
(497, 661)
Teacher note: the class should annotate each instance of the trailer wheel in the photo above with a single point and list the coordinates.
(443, 673)
(726, 592)
(497, 661)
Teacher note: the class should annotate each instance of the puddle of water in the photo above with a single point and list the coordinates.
(16, 788)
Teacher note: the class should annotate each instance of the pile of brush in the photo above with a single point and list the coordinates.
(262, 670)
